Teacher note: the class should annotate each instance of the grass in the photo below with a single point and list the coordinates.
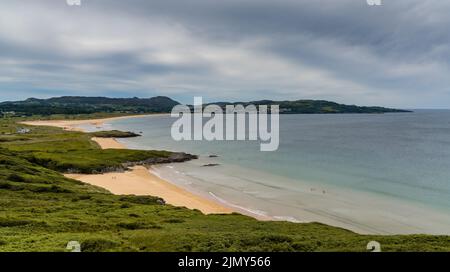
(41, 210)
(62, 151)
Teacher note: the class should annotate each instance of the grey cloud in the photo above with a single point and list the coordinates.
(394, 55)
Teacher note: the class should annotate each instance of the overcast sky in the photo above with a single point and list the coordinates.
(395, 55)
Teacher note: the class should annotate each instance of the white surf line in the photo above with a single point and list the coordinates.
(255, 212)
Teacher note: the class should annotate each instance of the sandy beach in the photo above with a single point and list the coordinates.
(139, 180)
(72, 125)
(108, 143)
(360, 212)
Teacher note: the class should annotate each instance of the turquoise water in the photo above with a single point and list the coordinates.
(401, 157)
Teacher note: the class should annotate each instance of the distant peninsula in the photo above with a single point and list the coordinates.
(315, 107)
(72, 105)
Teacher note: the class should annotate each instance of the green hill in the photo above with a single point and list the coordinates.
(315, 107)
(88, 105)
(76, 105)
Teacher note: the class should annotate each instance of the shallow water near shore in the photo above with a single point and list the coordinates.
(383, 173)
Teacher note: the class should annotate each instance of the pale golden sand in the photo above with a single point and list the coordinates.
(108, 143)
(71, 125)
(139, 180)
(383, 216)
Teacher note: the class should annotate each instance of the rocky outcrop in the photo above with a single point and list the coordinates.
(210, 165)
(174, 157)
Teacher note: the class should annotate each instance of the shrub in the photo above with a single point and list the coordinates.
(8, 186)
(16, 178)
(173, 220)
(138, 225)
(144, 200)
(5, 222)
(51, 189)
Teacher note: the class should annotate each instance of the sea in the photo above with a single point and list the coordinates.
(370, 173)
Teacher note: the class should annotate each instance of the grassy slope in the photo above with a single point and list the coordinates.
(114, 134)
(41, 210)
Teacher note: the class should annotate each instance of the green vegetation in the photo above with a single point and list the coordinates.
(61, 151)
(41, 210)
(75, 105)
(114, 134)
(315, 106)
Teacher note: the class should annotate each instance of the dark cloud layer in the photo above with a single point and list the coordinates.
(395, 55)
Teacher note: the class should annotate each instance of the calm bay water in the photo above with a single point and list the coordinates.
(401, 157)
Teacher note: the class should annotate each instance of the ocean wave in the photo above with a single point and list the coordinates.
(288, 218)
(255, 212)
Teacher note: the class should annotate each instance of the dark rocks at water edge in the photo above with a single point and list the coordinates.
(174, 157)
(110, 169)
(114, 134)
(210, 165)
